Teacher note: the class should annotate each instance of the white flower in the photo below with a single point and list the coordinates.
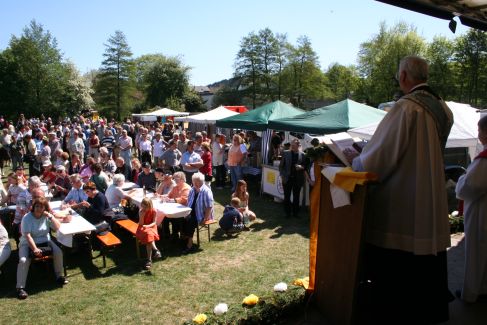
(454, 214)
(220, 309)
(280, 287)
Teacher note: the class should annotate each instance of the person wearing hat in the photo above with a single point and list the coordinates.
(146, 177)
(49, 172)
(166, 185)
(61, 185)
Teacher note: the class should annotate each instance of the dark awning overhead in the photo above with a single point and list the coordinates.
(472, 13)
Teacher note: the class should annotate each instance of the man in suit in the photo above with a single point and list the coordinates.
(292, 174)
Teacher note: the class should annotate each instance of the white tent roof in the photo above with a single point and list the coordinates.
(462, 134)
(164, 112)
(209, 117)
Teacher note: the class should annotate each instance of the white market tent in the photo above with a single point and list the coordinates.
(158, 112)
(462, 134)
(209, 117)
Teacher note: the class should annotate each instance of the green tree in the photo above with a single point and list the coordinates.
(343, 81)
(247, 66)
(302, 77)
(114, 84)
(471, 57)
(440, 53)
(33, 75)
(164, 78)
(379, 59)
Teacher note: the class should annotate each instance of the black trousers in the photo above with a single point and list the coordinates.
(220, 175)
(398, 287)
(294, 186)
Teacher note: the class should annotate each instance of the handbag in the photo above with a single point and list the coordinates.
(45, 251)
(102, 227)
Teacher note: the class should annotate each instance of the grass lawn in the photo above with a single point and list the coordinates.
(178, 287)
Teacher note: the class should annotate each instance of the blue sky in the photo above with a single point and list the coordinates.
(207, 34)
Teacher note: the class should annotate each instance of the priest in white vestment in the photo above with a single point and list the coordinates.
(407, 228)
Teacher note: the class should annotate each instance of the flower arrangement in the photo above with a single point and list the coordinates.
(250, 300)
(200, 319)
(280, 287)
(220, 309)
(264, 310)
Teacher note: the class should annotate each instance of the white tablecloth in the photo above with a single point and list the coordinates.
(164, 210)
(77, 225)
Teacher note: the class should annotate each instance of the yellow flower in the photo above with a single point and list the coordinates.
(304, 282)
(200, 319)
(251, 300)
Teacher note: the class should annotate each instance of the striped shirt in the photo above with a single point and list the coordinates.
(204, 201)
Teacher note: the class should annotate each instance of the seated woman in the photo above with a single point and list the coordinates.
(147, 230)
(114, 193)
(14, 188)
(167, 184)
(61, 185)
(243, 195)
(232, 218)
(35, 234)
(136, 168)
(200, 201)
(49, 173)
(75, 165)
(98, 178)
(96, 205)
(5, 248)
(179, 194)
(87, 170)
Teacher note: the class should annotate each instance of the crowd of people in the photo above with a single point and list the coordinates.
(85, 163)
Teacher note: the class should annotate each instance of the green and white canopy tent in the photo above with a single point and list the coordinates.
(335, 118)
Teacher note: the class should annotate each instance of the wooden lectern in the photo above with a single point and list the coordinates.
(338, 255)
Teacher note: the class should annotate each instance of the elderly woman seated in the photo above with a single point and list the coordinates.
(200, 200)
(178, 194)
(36, 241)
(114, 193)
(167, 183)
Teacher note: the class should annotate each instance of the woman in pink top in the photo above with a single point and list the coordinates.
(236, 155)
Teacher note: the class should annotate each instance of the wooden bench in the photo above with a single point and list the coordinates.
(131, 227)
(107, 241)
(205, 225)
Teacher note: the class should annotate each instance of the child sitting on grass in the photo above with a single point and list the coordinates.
(147, 230)
(232, 219)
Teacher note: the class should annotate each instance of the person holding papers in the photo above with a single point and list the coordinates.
(407, 224)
